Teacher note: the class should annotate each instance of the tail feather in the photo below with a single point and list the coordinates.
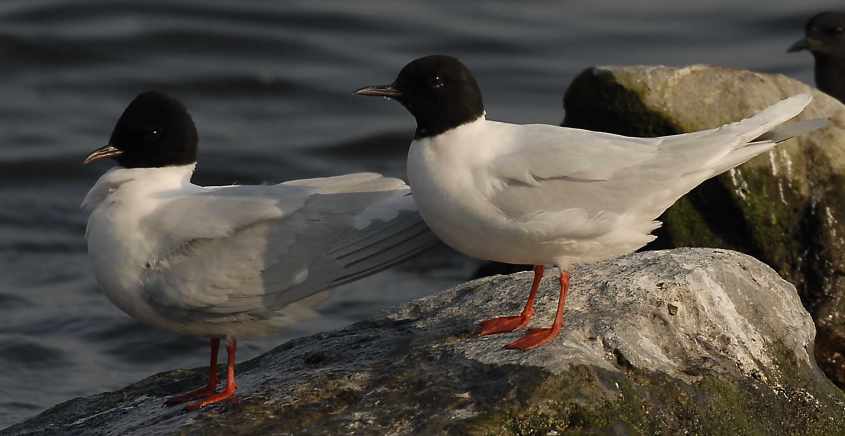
(766, 142)
(691, 158)
(733, 144)
(740, 156)
(771, 117)
(788, 131)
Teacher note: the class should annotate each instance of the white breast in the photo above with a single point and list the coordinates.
(117, 245)
(448, 177)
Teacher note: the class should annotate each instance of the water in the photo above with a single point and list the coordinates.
(269, 85)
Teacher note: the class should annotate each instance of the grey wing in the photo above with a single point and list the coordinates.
(599, 172)
(380, 236)
(554, 170)
(332, 238)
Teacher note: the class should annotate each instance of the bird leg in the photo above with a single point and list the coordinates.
(510, 323)
(213, 380)
(536, 337)
(231, 386)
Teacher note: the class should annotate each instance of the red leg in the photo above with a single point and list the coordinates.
(213, 380)
(510, 323)
(536, 337)
(229, 391)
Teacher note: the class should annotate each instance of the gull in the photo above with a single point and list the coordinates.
(547, 195)
(230, 261)
(825, 39)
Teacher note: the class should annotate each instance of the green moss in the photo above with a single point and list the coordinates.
(684, 225)
(772, 212)
(653, 404)
(637, 402)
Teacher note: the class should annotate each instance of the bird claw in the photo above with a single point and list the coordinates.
(534, 338)
(502, 324)
(191, 395)
(227, 394)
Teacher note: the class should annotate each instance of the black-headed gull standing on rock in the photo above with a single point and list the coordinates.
(230, 261)
(547, 195)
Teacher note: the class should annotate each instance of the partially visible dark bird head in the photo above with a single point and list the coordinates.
(824, 35)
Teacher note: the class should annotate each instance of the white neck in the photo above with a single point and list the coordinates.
(152, 179)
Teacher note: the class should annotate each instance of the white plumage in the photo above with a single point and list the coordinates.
(548, 195)
(235, 260)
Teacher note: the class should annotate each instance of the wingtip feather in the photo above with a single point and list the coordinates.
(790, 130)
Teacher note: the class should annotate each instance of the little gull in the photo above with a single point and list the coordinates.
(230, 261)
(547, 195)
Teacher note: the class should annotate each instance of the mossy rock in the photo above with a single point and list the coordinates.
(785, 207)
(686, 341)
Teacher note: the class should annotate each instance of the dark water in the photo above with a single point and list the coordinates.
(269, 84)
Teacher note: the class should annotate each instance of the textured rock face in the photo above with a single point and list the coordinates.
(689, 340)
(785, 208)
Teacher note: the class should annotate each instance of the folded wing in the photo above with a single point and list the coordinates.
(578, 183)
(257, 249)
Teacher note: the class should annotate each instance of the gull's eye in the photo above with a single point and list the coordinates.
(152, 135)
(437, 82)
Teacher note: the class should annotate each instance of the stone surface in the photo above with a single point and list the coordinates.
(666, 342)
(785, 208)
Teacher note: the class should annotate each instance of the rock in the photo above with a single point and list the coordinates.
(696, 341)
(785, 208)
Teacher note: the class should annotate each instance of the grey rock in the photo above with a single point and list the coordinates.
(700, 341)
(785, 207)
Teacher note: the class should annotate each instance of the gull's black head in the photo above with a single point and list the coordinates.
(154, 131)
(439, 91)
(824, 35)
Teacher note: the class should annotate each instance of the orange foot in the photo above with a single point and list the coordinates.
(213, 380)
(192, 395)
(502, 324)
(534, 338)
(226, 394)
(231, 386)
